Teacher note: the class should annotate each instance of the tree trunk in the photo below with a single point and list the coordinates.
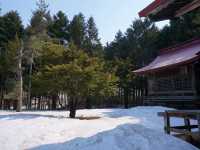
(39, 104)
(1, 104)
(19, 80)
(14, 105)
(72, 107)
(54, 102)
(1, 101)
(30, 83)
(88, 103)
(126, 92)
(36, 102)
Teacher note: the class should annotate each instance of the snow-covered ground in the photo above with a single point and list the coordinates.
(134, 129)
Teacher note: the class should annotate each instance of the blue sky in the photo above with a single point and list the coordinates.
(110, 15)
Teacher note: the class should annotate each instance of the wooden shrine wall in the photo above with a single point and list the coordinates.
(178, 81)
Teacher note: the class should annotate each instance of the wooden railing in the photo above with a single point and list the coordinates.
(187, 129)
(172, 83)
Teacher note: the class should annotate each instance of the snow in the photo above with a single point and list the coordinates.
(118, 129)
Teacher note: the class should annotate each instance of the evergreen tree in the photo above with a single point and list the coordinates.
(92, 30)
(36, 33)
(78, 30)
(132, 50)
(10, 26)
(72, 71)
(14, 50)
(92, 43)
(59, 28)
(117, 48)
(40, 20)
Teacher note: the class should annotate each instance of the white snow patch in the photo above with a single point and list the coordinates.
(118, 129)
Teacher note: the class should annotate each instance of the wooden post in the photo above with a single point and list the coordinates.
(167, 123)
(194, 80)
(198, 120)
(187, 123)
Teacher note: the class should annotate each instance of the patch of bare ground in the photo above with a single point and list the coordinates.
(88, 118)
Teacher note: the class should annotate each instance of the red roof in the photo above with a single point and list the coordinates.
(155, 4)
(171, 57)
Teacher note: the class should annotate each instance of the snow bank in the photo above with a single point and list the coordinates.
(124, 137)
(134, 129)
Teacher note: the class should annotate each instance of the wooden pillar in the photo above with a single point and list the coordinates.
(167, 123)
(187, 123)
(197, 77)
(194, 80)
(198, 120)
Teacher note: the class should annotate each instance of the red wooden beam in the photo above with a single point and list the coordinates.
(152, 7)
(187, 8)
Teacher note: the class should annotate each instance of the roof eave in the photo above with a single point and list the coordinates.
(166, 67)
(154, 7)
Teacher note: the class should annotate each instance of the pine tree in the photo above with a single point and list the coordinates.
(92, 31)
(10, 26)
(36, 32)
(78, 30)
(59, 28)
(72, 71)
(132, 50)
(118, 36)
(92, 43)
(40, 20)
(14, 60)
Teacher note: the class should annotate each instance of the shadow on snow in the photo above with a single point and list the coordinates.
(134, 112)
(24, 116)
(123, 137)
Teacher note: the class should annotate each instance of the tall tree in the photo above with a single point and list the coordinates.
(10, 26)
(40, 20)
(36, 32)
(117, 48)
(78, 30)
(130, 51)
(92, 43)
(59, 28)
(14, 59)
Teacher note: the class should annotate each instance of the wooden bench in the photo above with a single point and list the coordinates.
(186, 130)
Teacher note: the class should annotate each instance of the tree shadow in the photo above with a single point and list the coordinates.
(28, 116)
(118, 113)
(134, 112)
(123, 137)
